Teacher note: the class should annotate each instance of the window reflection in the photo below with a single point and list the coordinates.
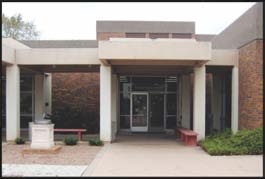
(148, 84)
(156, 85)
(26, 100)
(26, 83)
(26, 103)
(124, 104)
(171, 104)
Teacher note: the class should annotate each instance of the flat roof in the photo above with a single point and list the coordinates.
(146, 26)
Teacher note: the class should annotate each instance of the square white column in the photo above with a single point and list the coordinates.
(199, 97)
(234, 100)
(39, 97)
(105, 103)
(12, 102)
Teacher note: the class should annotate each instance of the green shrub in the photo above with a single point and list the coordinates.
(244, 142)
(70, 141)
(96, 142)
(251, 140)
(19, 140)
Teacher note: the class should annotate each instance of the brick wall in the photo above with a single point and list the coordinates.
(75, 100)
(251, 85)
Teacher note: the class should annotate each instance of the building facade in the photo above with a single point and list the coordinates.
(149, 76)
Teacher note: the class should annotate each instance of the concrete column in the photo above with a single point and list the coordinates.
(48, 93)
(105, 103)
(39, 96)
(113, 106)
(234, 100)
(199, 93)
(12, 102)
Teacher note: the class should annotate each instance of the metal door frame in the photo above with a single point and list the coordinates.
(145, 128)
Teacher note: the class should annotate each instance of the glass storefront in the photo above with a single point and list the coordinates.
(26, 100)
(161, 99)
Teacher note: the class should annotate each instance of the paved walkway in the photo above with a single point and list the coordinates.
(32, 170)
(156, 155)
(148, 155)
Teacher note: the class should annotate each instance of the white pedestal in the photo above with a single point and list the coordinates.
(42, 136)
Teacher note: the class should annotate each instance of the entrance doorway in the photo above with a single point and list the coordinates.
(147, 113)
(148, 103)
(139, 112)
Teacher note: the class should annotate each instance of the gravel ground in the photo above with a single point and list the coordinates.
(81, 154)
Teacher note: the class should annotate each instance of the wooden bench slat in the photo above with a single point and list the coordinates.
(70, 130)
(79, 132)
(190, 133)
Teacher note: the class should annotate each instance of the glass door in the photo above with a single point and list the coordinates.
(139, 112)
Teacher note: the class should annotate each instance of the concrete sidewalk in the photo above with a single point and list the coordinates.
(38, 170)
(163, 156)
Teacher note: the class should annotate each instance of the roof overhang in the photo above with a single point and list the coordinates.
(9, 47)
(224, 57)
(135, 51)
(8, 54)
(57, 56)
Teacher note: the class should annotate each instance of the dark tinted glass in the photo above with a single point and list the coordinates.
(24, 121)
(148, 83)
(26, 103)
(26, 83)
(124, 122)
(171, 122)
(124, 104)
(171, 104)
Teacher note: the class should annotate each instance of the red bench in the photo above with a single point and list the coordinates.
(188, 136)
(78, 131)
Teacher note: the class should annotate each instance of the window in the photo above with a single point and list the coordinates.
(171, 104)
(135, 35)
(158, 35)
(181, 36)
(125, 122)
(155, 85)
(148, 84)
(125, 91)
(26, 103)
(124, 104)
(171, 84)
(26, 100)
(171, 122)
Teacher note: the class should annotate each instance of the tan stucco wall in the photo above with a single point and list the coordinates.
(155, 49)
(58, 56)
(9, 47)
(8, 54)
(224, 58)
(120, 49)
